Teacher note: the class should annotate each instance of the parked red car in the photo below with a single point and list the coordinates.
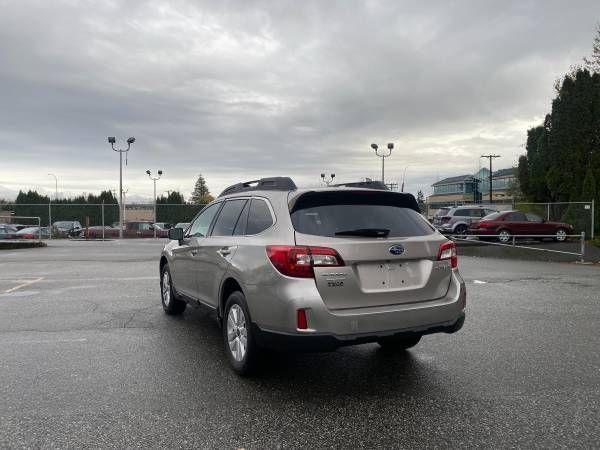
(138, 229)
(505, 224)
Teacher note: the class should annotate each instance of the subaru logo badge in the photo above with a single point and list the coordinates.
(397, 249)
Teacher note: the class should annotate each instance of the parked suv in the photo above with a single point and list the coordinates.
(313, 269)
(457, 220)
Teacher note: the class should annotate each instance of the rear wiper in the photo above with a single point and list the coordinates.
(367, 232)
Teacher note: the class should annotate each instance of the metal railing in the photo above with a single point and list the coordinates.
(514, 237)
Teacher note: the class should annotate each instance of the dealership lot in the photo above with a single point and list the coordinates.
(89, 359)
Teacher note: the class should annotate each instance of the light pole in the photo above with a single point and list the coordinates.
(382, 155)
(111, 141)
(325, 180)
(155, 179)
(55, 185)
(490, 157)
(403, 179)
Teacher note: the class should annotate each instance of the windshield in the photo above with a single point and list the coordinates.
(63, 224)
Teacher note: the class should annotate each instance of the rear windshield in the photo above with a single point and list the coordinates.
(328, 213)
(492, 216)
(442, 212)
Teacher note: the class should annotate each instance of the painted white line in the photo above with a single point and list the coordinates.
(27, 283)
(49, 341)
(479, 282)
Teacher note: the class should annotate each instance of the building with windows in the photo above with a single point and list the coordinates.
(472, 188)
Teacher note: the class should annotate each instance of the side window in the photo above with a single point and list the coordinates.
(240, 228)
(462, 213)
(533, 217)
(515, 217)
(259, 217)
(201, 224)
(228, 217)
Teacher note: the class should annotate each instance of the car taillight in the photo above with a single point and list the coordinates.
(445, 219)
(298, 261)
(485, 224)
(448, 251)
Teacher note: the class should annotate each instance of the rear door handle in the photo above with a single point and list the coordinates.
(224, 251)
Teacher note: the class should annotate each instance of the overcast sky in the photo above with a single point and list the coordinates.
(240, 90)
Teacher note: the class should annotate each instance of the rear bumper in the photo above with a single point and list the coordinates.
(274, 313)
(320, 342)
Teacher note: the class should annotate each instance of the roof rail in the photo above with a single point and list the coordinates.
(264, 184)
(364, 184)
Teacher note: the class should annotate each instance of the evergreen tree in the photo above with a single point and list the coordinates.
(588, 191)
(421, 200)
(201, 194)
(593, 62)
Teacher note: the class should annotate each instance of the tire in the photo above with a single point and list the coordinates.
(399, 343)
(561, 235)
(238, 341)
(461, 229)
(504, 236)
(171, 304)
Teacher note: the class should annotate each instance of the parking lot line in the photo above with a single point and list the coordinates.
(22, 285)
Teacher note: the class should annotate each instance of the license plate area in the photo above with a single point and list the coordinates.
(389, 275)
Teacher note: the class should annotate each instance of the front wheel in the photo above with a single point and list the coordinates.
(561, 235)
(171, 304)
(238, 340)
(399, 343)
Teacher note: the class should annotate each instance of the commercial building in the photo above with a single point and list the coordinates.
(473, 188)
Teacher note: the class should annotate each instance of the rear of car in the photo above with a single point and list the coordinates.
(314, 269)
(363, 266)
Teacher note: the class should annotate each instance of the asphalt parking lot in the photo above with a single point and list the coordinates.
(88, 359)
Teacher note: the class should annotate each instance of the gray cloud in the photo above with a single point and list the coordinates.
(245, 89)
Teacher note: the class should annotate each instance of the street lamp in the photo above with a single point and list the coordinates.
(324, 179)
(155, 179)
(383, 155)
(112, 141)
(491, 157)
(55, 185)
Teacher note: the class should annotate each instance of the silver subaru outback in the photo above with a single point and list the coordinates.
(313, 269)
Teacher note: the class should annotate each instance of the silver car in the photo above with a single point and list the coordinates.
(313, 269)
(457, 220)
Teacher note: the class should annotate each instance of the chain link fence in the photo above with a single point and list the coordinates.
(102, 216)
(579, 214)
(582, 215)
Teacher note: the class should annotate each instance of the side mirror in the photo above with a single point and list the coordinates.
(176, 234)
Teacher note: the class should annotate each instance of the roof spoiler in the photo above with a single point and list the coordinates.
(264, 184)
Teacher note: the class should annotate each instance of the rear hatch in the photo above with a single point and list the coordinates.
(389, 250)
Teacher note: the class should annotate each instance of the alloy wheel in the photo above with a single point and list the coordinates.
(237, 333)
(504, 236)
(561, 235)
(166, 288)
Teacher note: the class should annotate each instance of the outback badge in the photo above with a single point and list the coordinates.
(396, 249)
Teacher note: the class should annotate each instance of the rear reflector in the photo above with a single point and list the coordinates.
(302, 322)
(448, 251)
(298, 261)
